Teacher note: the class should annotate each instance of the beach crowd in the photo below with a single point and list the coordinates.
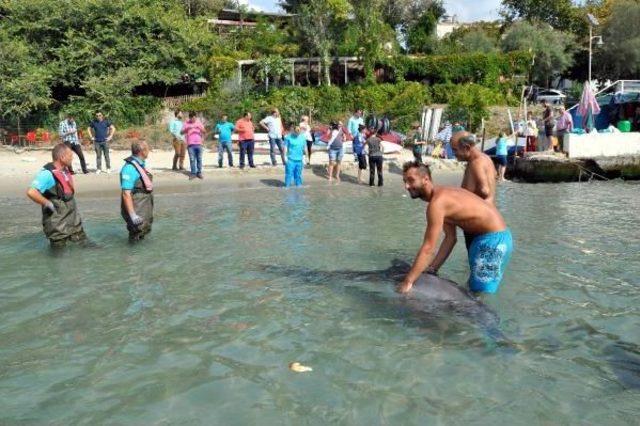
(471, 207)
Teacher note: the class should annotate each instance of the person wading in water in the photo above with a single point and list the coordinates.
(479, 175)
(53, 189)
(136, 207)
(449, 208)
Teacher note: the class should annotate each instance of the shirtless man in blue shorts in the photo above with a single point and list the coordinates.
(449, 208)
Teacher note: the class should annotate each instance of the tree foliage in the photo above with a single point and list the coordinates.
(562, 15)
(421, 34)
(104, 49)
(552, 50)
(619, 58)
(321, 23)
(374, 37)
(24, 84)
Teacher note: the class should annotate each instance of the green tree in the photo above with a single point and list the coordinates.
(552, 50)
(620, 56)
(421, 35)
(373, 36)
(477, 41)
(562, 15)
(207, 8)
(322, 23)
(24, 84)
(105, 49)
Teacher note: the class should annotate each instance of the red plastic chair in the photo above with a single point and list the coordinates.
(46, 137)
(31, 137)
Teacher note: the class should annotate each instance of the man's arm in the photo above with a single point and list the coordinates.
(112, 131)
(264, 126)
(435, 223)
(91, 136)
(127, 198)
(483, 189)
(38, 198)
(446, 247)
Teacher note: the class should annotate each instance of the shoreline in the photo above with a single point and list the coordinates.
(18, 167)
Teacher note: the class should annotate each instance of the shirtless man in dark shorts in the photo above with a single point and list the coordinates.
(448, 208)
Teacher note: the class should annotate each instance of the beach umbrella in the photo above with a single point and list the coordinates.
(588, 107)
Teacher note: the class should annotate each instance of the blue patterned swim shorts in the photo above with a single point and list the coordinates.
(489, 255)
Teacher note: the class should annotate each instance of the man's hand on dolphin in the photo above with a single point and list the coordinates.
(404, 286)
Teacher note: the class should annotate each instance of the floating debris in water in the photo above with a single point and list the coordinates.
(299, 368)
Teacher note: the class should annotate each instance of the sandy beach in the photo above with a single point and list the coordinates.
(18, 167)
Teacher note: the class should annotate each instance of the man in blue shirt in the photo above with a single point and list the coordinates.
(136, 207)
(179, 144)
(224, 129)
(294, 143)
(101, 132)
(53, 189)
(353, 124)
(358, 149)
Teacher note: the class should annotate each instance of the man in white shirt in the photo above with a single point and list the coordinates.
(273, 124)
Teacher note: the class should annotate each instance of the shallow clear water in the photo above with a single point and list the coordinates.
(190, 328)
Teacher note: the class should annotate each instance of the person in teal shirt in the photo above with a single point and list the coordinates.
(224, 129)
(136, 183)
(501, 155)
(294, 143)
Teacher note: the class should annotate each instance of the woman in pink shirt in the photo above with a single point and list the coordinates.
(194, 131)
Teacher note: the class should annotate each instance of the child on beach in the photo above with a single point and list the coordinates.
(501, 155)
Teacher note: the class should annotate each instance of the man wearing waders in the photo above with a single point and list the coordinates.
(137, 192)
(53, 189)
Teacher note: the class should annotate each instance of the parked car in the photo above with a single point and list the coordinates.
(554, 97)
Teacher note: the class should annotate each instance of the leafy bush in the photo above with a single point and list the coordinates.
(486, 69)
(403, 102)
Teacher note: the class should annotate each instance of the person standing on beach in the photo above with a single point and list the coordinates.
(101, 131)
(273, 125)
(245, 129)
(193, 129)
(305, 128)
(531, 132)
(501, 155)
(417, 142)
(480, 173)
(354, 123)
(179, 145)
(69, 133)
(136, 184)
(358, 149)
(549, 123)
(294, 143)
(564, 125)
(376, 151)
(224, 129)
(335, 149)
(53, 189)
(448, 208)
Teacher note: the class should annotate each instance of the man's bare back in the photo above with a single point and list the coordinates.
(480, 177)
(466, 210)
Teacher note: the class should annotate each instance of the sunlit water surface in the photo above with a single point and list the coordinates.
(189, 327)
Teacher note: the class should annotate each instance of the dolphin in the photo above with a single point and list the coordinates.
(430, 298)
